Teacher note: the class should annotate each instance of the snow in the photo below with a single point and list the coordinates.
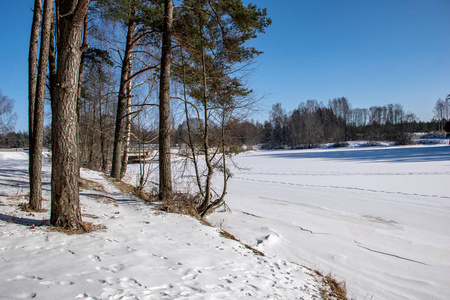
(378, 218)
(142, 253)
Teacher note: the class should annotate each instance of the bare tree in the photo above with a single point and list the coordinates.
(440, 113)
(7, 117)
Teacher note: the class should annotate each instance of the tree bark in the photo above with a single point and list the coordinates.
(126, 149)
(32, 65)
(65, 209)
(80, 76)
(122, 106)
(32, 69)
(165, 172)
(35, 201)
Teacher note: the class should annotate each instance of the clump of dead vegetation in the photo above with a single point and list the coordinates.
(87, 184)
(228, 235)
(26, 208)
(334, 289)
(85, 227)
(90, 216)
(131, 189)
(180, 203)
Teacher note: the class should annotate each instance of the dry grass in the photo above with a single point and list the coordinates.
(90, 216)
(333, 289)
(85, 227)
(229, 236)
(180, 203)
(104, 200)
(87, 184)
(130, 189)
(143, 195)
(18, 197)
(25, 207)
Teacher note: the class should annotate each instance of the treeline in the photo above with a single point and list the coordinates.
(14, 140)
(313, 123)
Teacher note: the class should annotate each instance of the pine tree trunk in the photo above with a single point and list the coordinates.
(80, 76)
(32, 69)
(102, 139)
(165, 172)
(32, 66)
(126, 149)
(122, 106)
(38, 117)
(66, 210)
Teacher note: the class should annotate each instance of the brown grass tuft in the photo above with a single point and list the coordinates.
(18, 197)
(143, 195)
(86, 227)
(229, 236)
(87, 184)
(90, 216)
(181, 203)
(335, 289)
(25, 207)
(130, 189)
(104, 200)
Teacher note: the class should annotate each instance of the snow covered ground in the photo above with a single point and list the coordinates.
(378, 218)
(142, 253)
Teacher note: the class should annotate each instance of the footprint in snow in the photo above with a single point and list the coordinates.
(25, 295)
(113, 268)
(129, 282)
(95, 258)
(22, 277)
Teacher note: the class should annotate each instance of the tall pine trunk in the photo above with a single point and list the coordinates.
(38, 113)
(80, 76)
(126, 149)
(32, 66)
(165, 172)
(32, 70)
(122, 106)
(66, 210)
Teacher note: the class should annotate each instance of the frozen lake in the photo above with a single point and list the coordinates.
(378, 218)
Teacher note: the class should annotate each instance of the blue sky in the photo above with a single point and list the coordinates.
(373, 52)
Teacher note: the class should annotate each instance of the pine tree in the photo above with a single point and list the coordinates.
(65, 203)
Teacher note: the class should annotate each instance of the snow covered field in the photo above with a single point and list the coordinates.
(378, 218)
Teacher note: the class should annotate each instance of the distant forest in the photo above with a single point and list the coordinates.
(309, 125)
(313, 123)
